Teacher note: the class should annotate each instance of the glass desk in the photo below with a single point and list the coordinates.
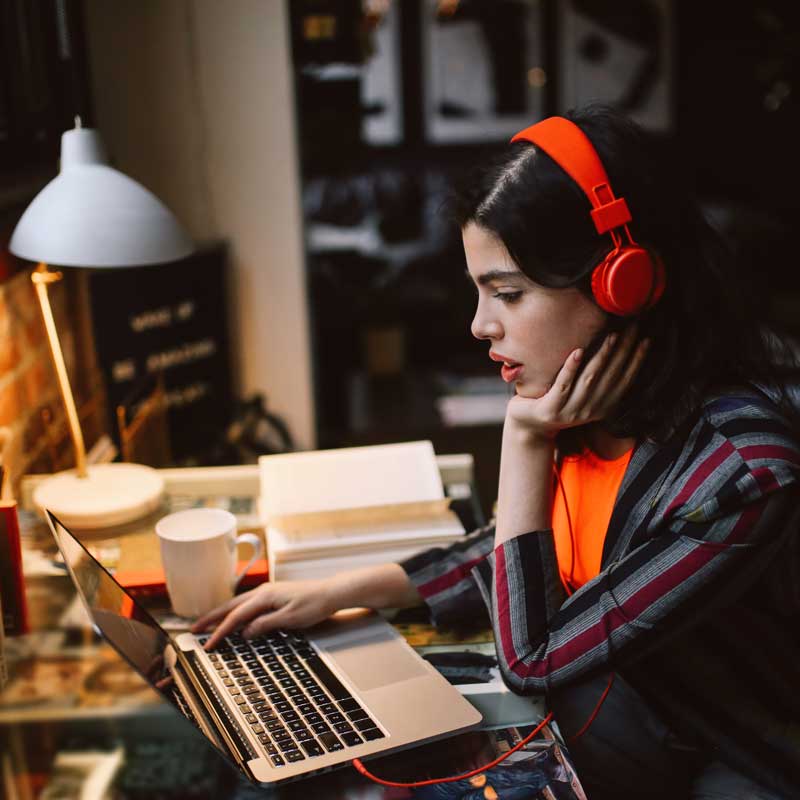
(77, 721)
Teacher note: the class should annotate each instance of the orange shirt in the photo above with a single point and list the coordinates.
(591, 485)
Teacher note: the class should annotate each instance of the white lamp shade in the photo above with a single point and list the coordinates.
(92, 215)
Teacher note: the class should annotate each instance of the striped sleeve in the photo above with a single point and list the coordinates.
(442, 575)
(725, 510)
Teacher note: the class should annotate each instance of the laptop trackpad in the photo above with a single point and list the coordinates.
(373, 658)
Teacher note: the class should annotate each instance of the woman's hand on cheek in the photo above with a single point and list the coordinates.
(580, 397)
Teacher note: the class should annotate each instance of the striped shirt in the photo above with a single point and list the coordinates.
(690, 559)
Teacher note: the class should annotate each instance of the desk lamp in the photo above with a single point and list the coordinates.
(92, 215)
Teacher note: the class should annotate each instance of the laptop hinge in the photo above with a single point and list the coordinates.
(197, 714)
(235, 738)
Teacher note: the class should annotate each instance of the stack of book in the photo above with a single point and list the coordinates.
(330, 510)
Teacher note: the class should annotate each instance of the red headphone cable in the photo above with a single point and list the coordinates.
(594, 713)
(569, 590)
(367, 774)
(559, 485)
(359, 766)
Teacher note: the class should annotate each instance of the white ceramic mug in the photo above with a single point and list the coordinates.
(198, 551)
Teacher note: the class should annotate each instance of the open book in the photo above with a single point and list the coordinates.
(330, 510)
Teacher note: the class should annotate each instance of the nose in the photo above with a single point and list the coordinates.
(484, 326)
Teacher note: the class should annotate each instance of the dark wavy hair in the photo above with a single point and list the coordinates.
(704, 334)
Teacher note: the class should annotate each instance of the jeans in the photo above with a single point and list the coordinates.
(628, 752)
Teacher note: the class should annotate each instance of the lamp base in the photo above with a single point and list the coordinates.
(112, 494)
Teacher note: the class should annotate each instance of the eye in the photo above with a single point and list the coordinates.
(507, 297)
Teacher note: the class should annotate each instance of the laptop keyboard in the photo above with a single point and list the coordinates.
(183, 706)
(292, 702)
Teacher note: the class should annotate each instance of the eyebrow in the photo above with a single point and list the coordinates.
(495, 275)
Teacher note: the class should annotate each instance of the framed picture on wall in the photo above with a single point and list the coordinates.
(619, 53)
(483, 69)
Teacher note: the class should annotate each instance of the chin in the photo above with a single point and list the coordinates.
(531, 391)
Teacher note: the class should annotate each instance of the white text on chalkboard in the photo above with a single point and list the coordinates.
(182, 354)
(162, 317)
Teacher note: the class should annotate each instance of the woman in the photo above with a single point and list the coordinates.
(640, 569)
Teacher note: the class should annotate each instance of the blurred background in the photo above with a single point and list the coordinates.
(309, 146)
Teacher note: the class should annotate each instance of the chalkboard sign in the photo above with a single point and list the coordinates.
(169, 318)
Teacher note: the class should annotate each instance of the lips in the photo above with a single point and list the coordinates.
(511, 370)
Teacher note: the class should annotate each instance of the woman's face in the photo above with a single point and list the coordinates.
(530, 329)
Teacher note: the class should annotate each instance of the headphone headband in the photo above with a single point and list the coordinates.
(571, 149)
(630, 278)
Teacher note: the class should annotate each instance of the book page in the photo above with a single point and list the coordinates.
(427, 528)
(394, 477)
(352, 539)
(366, 517)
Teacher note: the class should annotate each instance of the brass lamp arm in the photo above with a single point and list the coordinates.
(41, 277)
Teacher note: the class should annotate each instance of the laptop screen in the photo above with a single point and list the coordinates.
(119, 618)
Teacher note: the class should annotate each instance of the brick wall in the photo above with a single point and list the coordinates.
(31, 410)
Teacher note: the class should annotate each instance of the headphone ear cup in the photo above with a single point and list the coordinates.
(627, 281)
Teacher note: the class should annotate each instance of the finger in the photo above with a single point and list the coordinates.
(202, 622)
(628, 342)
(237, 617)
(583, 396)
(265, 623)
(559, 392)
(619, 357)
(633, 367)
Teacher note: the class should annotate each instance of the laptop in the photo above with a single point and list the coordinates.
(288, 704)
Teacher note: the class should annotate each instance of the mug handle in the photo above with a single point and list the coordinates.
(255, 542)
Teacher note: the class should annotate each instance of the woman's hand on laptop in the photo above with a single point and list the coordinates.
(288, 604)
(301, 604)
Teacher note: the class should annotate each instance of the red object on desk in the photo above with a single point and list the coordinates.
(12, 582)
(151, 582)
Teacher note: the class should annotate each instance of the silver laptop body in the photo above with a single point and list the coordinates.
(287, 705)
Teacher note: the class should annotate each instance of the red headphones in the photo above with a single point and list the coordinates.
(630, 278)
